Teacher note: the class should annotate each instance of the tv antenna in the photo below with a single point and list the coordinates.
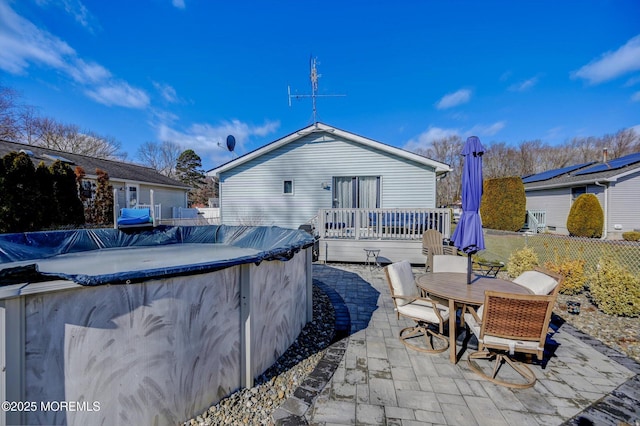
(314, 76)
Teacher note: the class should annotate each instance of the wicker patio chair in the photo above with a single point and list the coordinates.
(424, 311)
(510, 324)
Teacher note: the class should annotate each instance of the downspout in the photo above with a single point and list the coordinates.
(606, 207)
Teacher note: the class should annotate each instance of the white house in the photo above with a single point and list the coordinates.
(358, 193)
(287, 181)
(616, 183)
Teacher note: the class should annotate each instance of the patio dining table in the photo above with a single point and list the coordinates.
(453, 287)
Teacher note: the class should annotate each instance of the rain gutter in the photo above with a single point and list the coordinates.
(606, 206)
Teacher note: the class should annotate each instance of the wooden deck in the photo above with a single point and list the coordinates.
(346, 233)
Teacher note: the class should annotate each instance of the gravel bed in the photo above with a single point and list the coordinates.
(255, 406)
(621, 333)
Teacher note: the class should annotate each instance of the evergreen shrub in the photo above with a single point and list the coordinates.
(631, 236)
(586, 218)
(615, 290)
(521, 260)
(504, 204)
(573, 273)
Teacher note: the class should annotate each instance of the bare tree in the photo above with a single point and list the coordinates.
(29, 130)
(161, 157)
(585, 149)
(624, 142)
(10, 110)
(49, 133)
(500, 160)
(529, 152)
(447, 150)
(550, 158)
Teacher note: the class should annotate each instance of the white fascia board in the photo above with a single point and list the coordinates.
(141, 182)
(320, 127)
(610, 179)
(569, 184)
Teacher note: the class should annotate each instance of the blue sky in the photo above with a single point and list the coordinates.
(194, 71)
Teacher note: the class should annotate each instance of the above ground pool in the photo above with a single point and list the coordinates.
(148, 327)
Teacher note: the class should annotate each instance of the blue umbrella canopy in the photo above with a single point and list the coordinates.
(468, 235)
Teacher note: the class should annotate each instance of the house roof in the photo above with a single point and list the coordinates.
(320, 127)
(583, 174)
(117, 170)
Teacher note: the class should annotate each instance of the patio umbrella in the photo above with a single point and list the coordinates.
(468, 235)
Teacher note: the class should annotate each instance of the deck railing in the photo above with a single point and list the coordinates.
(396, 224)
(157, 210)
(537, 220)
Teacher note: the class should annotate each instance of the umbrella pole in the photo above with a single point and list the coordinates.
(469, 268)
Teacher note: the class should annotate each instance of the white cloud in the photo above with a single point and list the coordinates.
(450, 100)
(555, 133)
(119, 94)
(209, 141)
(612, 64)
(167, 92)
(74, 8)
(635, 97)
(424, 139)
(487, 130)
(87, 73)
(505, 76)
(524, 85)
(179, 4)
(632, 81)
(23, 45)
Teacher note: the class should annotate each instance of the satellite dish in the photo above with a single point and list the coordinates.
(231, 143)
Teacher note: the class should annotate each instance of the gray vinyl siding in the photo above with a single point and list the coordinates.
(166, 197)
(557, 204)
(624, 205)
(252, 193)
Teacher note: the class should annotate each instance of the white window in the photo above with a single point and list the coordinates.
(287, 187)
(132, 195)
(361, 192)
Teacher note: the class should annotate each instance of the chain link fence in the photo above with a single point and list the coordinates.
(559, 248)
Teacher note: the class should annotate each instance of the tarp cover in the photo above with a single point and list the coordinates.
(20, 254)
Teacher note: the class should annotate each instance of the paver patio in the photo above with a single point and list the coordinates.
(377, 380)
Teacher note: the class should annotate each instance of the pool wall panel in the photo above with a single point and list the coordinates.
(279, 303)
(158, 352)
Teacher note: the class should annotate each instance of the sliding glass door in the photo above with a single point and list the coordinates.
(356, 192)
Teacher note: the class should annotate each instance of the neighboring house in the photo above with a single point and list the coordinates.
(287, 181)
(616, 183)
(132, 181)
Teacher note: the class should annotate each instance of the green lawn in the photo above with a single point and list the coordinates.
(548, 247)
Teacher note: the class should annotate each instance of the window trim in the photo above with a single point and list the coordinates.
(128, 191)
(284, 187)
(355, 184)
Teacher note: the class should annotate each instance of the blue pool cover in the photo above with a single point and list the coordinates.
(109, 256)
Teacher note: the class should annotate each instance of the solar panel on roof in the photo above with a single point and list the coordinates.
(549, 174)
(58, 157)
(618, 163)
